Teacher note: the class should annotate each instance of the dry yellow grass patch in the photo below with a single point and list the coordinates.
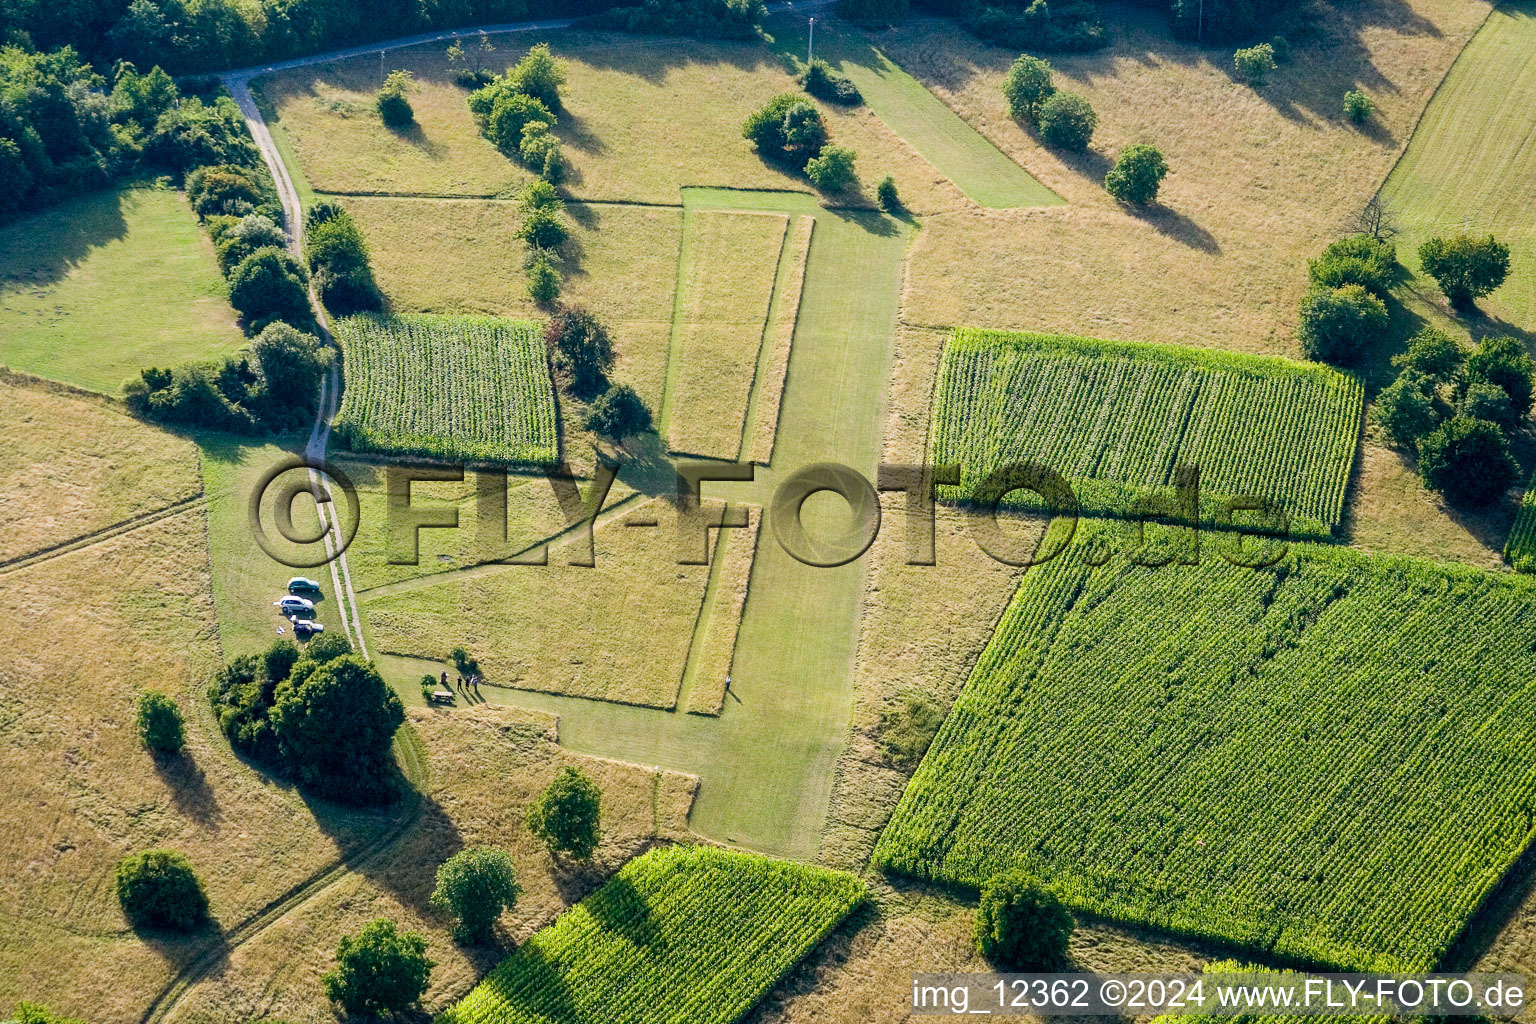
(485, 765)
(710, 664)
(75, 465)
(779, 339)
(732, 260)
(460, 256)
(1259, 182)
(642, 117)
(101, 624)
(620, 631)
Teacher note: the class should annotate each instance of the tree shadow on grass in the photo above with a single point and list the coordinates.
(533, 981)
(619, 907)
(1170, 223)
(406, 867)
(413, 134)
(190, 792)
(43, 249)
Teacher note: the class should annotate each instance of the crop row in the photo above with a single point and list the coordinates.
(1117, 419)
(693, 934)
(453, 387)
(1520, 548)
(1333, 760)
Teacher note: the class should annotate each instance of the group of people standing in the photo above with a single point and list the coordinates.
(468, 687)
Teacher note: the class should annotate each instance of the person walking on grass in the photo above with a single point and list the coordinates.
(444, 682)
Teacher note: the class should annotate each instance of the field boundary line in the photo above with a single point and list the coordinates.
(106, 533)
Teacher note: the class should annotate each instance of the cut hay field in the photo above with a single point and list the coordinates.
(623, 95)
(77, 465)
(683, 933)
(1139, 737)
(732, 261)
(620, 631)
(103, 285)
(448, 387)
(1117, 419)
(484, 766)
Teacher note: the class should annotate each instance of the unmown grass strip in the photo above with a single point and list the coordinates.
(778, 338)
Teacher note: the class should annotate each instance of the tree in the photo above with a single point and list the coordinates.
(540, 152)
(338, 259)
(1407, 409)
(249, 233)
(1067, 121)
(1021, 926)
(1503, 362)
(1433, 353)
(1357, 259)
(581, 347)
(393, 107)
(380, 970)
(1484, 401)
(327, 647)
(1358, 106)
(539, 75)
(543, 278)
(1026, 86)
(885, 195)
(825, 84)
(543, 229)
(159, 722)
(290, 365)
(567, 816)
(1137, 175)
(1338, 323)
(511, 115)
(475, 886)
(832, 171)
(1376, 220)
(334, 728)
(1254, 64)
(1467, 460)
(268, 285)
(787, 128)
(618, 413)
(159, 889)
(141, 99)
(1466, 268)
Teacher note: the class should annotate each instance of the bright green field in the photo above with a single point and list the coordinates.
(682, 933)
(1117, 419)
(98, 287)
(1333, 760)
(978, 168)
(1472, 159)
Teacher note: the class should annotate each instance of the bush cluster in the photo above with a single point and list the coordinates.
(788, 129)
(158, 889)
(825, 84)
(1054, 26)
(1455, 410)
(1064, 120)
(542, 225)
(701, 19)
(516, 109)
(323, 717)
(337, 259)
(1343, 311)
(394, 109)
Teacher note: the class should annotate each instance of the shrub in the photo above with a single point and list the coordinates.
(1282, 47)
(1026, 86)
(510, 116)
(380, 970)
(1137, 175)
(788, 128)
(907, 730)
(223, 188)
(541, 153)
(580, 346)
(1254, 64)
(825, 84)
(334, 724)
(289, 365)
(1467, 460)
(1357, 259)
(539, 74)
(1020, 926)
(327, 647)
(543, 229)
(832, 171)
(1070, 26)
(539, 195)
(390, 100)
(159, 889)
(159, 722)
(34, 1013)
(1338, 323)
(1484, 401)
(238, 240)
(475, 886)
(885, 195)
(543, 279)
(1503, 362)
(321, 212)
(1407, 409)
(873, 13)
(1358, 106)
(618, 413)
(1067, 121)
(1432, 353)
(268, 285)
(338, 258)
(242, 694)
(209, 394)
(568, 814)
(463, 662)
(1466, 268)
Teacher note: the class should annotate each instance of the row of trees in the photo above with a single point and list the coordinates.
(581, 351)
(702, 19)
(515, 110)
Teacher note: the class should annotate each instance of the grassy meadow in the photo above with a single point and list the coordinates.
(101, 286)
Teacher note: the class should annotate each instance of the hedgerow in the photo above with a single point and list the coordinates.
(682, 933)
(1117, 418)
(454, 387)
(1227, 752)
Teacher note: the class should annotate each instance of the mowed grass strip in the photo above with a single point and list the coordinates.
(777, 342)
(733, 261)
(103, 285)
(1117, 419)
(462, 387)
(693, 934)
(1330, 760)
(709, 665)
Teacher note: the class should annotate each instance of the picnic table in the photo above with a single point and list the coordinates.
(442, 696)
